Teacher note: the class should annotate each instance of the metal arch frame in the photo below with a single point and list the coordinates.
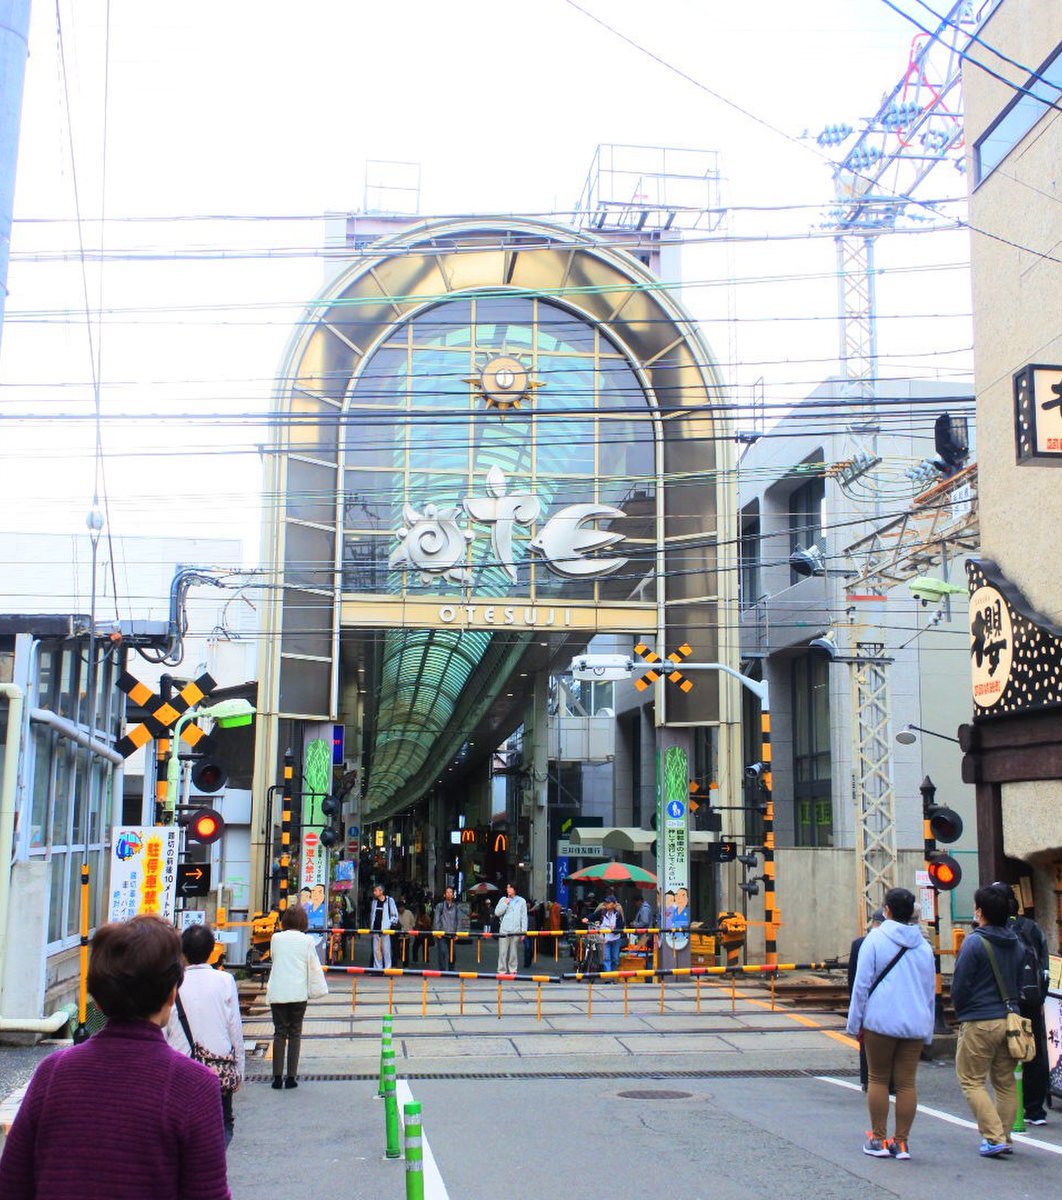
(616, 315)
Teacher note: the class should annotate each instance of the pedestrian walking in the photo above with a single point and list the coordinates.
(876, 918)
(205, 1021)
(295, 978)
(981, 1003)
(159, 1130)
(1034, 1075)
(511, 910)
(383, 921)
(892, 1013)
(444, 921)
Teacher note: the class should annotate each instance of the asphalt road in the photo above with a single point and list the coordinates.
(734, 1138)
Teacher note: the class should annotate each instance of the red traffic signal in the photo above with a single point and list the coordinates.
(944, 872)
(208, 775)
(204, 825)
(945, 824)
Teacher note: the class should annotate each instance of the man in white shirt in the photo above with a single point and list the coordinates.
(383, 916)
(512, 911)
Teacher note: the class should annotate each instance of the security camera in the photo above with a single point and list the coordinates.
(755, 770)
(932, 591)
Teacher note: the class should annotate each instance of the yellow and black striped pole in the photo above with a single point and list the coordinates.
(285, 830)
(770, 910)
(162, 780)
(81, 1031)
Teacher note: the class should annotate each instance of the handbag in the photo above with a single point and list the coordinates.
(1021, 1043)
(223, 1065)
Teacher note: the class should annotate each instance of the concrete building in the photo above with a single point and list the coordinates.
(1014, 743)
(814, 486)
(65, 784)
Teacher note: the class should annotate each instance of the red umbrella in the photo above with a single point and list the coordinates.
(481, 889)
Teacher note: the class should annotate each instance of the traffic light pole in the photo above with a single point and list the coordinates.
(929, 791)
(285, 830)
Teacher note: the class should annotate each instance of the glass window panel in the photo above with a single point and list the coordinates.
(311, 492)
(1016, 121)
(96, 888)
(559, 330)
(48, 675)
(382, 381)
(63, 788)
(504, 325)
(447, 324)
(72, 922)
(100, 806)
(80, 799)
(43, 742)
(68, 694)
(56, 896)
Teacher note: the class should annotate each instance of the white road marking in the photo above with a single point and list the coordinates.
(1022, 1138)
(434, 1188)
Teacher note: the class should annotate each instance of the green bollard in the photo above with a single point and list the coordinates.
(414, 1153)
(394, 1150)
(1019, 1116)
(385, 1041)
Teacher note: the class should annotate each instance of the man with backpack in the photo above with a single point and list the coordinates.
(1032, 990)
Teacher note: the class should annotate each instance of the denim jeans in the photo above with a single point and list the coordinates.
(612, 954)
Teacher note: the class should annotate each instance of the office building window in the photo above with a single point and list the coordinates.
(812, 791)
(1040, 93)
(749, 586)
(805, 518)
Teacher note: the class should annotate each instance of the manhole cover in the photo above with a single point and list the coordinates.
(654, 1094)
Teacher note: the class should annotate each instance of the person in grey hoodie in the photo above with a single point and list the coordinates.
(512, 909)
(891, 1012)
(982, 1012)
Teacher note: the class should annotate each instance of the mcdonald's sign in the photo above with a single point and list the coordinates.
(468, 835)
(501, 843)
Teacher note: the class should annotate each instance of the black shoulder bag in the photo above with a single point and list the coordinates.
(888, 967)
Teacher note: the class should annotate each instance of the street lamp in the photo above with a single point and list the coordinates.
(907, 736)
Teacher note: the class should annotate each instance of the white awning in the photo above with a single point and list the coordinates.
(625, 837)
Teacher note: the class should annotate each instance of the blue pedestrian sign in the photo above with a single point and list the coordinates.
(676, 810)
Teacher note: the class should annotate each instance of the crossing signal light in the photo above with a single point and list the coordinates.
(330, 834)
(944, 872)
(204, 825)
(945, 824)
(208, 775)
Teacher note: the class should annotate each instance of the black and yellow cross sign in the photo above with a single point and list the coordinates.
(651, 676)
(161, 713)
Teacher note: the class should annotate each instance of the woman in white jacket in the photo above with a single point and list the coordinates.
(892, 1012)
(212, 1011)
(295, 978)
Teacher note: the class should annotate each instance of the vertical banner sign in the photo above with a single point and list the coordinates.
(674, 854)
(317, 779)
(143, 871)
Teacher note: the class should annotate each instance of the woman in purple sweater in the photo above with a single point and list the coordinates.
(122, 1116)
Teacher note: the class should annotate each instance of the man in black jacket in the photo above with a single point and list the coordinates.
(982, 1012)
(1034, 1074)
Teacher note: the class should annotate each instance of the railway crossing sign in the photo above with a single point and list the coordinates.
(652, 675)
(162, 714)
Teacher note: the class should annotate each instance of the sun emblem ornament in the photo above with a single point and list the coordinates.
(504, 382)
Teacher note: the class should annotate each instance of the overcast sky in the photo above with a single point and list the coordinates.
(262, 110)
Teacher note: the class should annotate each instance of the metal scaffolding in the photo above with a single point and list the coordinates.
(876, 823)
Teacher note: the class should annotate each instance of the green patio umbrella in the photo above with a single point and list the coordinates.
(613, 872)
